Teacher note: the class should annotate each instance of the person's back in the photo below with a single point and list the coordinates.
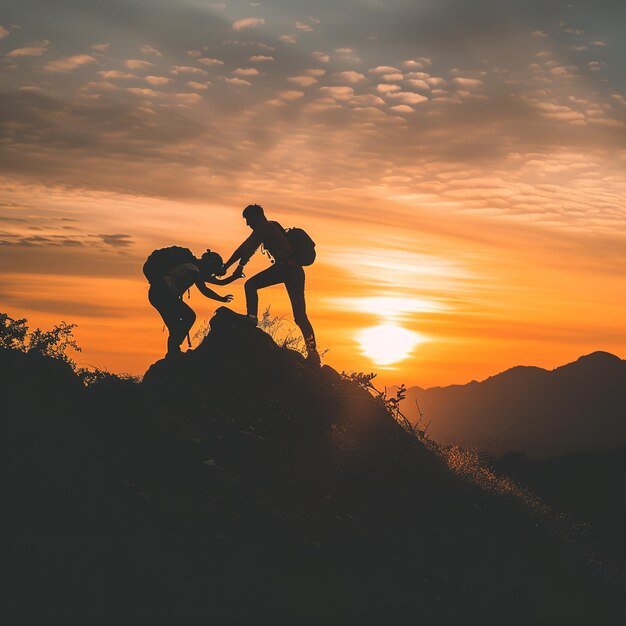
(274, 240)
(181, 278)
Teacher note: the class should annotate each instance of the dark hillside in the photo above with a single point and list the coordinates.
(238, 485)
(589, 486)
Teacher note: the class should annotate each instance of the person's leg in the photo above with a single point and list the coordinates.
(176, 315)
(182, 319)
(273, 275)
(295, 282)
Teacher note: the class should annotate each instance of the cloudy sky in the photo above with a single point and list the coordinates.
(460, 165)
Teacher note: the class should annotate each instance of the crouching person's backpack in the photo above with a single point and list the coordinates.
(303, 246)
(162, 261)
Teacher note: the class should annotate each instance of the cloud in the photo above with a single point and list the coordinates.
(238, 81)
(138, 64)
(419, 63)
(69, 64)
(407, 97)
(188, 98)
(157, 80)
(322, 57)
(436, 81)
(402, 108)
(35, 50)
(101, 47)
(538, 33)
(302, 81)
(350, 76)
(468, 83)
(245, 71)
(147, 49)
(368, 99)
(619, 98)
(338, 93)
(417, 84)
(248, 22)
(388, 88)
(117, 240)
(186, 69)
(40, 241)
(290, 39)
(384, 69)
(143, 92)
(209, 61)
(304, 27)
(116, 75)
(391, 77)
(198, 86)
(4, 32)
(290, 95)
(260, 58)
(565, 71)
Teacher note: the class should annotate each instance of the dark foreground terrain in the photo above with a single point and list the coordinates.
(237, 485)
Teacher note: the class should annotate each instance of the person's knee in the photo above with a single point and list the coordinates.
(250, 286)
(301, 319)
(188, 318)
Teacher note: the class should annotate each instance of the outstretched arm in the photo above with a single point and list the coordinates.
(244, 251)
(209, 293)
(238, 273)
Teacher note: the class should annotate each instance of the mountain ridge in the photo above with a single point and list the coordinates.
(574, 407)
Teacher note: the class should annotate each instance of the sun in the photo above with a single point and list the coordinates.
(387, 344)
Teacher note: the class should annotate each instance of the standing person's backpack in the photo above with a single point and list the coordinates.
(303, 246)
(160, 262)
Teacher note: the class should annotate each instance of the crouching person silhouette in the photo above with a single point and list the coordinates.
(287, 268)
(171, 272)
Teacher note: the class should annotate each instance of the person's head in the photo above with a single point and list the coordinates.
(211, 263)
(254, 215)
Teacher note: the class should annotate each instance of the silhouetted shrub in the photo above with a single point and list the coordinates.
(55, 343)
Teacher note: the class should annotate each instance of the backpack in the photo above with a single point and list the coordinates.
(160, 262)
(303, 246)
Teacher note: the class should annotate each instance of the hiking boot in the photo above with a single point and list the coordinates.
(249, 320)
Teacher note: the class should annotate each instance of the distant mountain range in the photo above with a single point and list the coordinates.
(578, 407)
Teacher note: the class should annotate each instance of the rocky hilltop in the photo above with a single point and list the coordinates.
(238, 485)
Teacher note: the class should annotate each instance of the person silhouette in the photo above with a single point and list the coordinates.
(167, 289)
(285, 269)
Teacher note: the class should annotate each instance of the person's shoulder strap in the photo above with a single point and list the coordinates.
(279, 225)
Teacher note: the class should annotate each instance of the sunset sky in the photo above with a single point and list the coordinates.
(459, 164)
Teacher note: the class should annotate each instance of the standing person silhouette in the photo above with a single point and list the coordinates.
(285, 269)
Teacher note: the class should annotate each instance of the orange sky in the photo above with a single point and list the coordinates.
(472, 191)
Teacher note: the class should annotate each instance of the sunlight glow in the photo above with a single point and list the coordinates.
(389, 307)
(387, 344)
